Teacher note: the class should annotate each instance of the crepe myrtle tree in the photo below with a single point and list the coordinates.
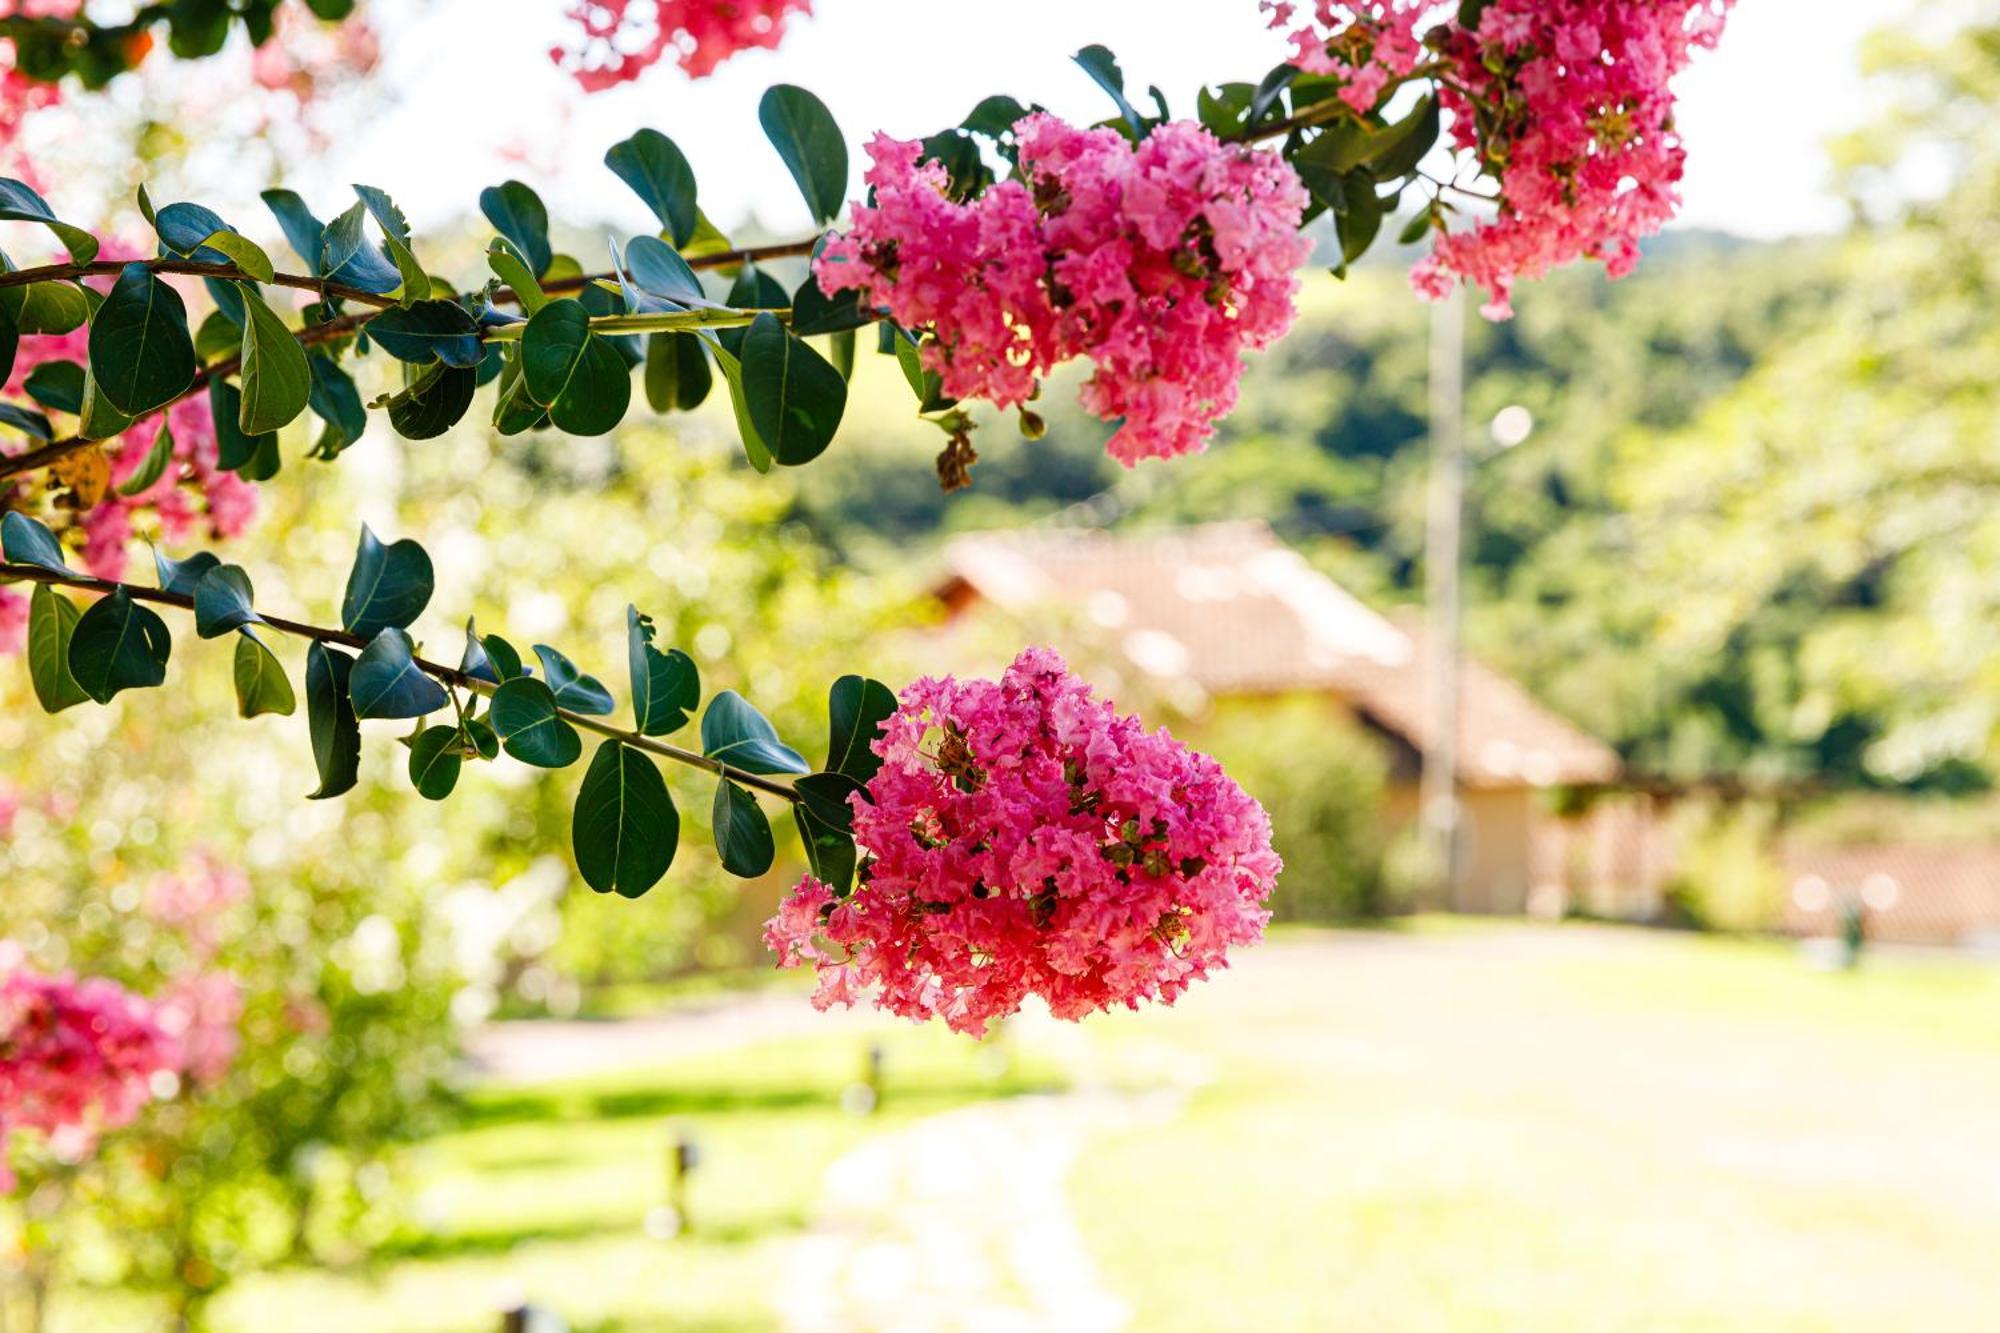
(1512, 134)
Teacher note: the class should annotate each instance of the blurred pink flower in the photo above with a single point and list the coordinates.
(615, 41)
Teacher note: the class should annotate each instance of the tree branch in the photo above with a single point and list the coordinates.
(36, 459)
(10, 573)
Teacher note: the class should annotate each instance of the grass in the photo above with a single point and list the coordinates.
(544, 1195)
(1562, 1128)
(1446, 1125)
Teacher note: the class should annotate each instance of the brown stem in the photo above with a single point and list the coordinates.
(444, 674)
(36, 459)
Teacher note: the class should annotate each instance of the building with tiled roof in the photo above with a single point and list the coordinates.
(1227, 611)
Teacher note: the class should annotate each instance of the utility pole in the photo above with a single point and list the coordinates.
(1440, 812)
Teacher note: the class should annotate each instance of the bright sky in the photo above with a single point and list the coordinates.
(1755, 113)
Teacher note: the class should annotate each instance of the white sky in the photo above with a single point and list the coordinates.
(1755, 113)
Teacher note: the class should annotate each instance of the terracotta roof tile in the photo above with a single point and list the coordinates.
(1233, 609)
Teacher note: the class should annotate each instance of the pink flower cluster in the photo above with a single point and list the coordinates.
(1578, 131)
(1025, 839)
(77, 1058)
(192, 498)
(1162, 263)
(615, 41)
(1567, 104)
(1366, 45)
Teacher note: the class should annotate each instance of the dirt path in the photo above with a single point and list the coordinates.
(961, 1224)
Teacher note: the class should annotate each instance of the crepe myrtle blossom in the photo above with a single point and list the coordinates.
(1023, 838)
(1163, 263)
(1566, 105)
(615, 41)
(1367, 46)
(77, 1058)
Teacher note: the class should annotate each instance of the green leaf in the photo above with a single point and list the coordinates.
(305, 233)
(1403, 146)
(346, 256)
(814, 312)
(387, 682)
(435, 759)
(754, 447)
(795, 396)
(475, 661)
(154, 466)
(658, 269)
(429, 331)
(518, 213)
(396, 237)
(742, 832)
(825, 797)
(51, 622)
(677, 373)
(856, 709)
(666, 687)
(26, 541)
(57, 385)
(46, 307)
(577, 375)
(118, 645)
(248, 455)
(222, 602)
(659, 174)
(336, 734)
(508, 266)
(514, 408)
(336, 401)
(261, 686)
(803, 131)
(140, 350)
(625, 829)
(830, 851)
(1102, 66)
(524, 713)
(18, 203)
(99, 419)
(276, 378)
(182, 576)
(29, 422)
(995, 117)
(243, 252)
(735, 733)
(433, 402)
(388, 586)
(10, 343)
(485, 741)
(574, 690)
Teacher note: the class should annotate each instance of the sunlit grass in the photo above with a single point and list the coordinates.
(1532, 1127)
(545, 1194)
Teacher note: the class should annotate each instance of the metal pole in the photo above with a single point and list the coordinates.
(1443, 568)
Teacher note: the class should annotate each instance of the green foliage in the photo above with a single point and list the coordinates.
(531, 726)
(626, 828)
(1325, 797)
(735, 733)
(1728, 878)
(803, 131)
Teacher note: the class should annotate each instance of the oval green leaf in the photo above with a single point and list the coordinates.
(524, 714)
(625, 830)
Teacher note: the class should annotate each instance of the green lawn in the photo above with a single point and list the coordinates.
(545, 1194)
(1525, 1127)
(1441, 1127)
